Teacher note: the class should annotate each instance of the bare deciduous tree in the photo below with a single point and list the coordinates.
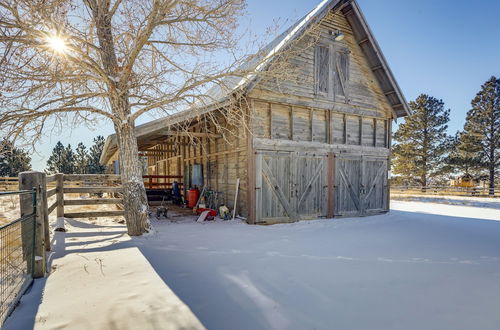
(82, 60)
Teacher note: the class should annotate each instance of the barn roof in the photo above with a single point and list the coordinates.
(221, 94)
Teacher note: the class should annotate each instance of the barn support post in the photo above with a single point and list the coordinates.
(29, 181)
(60, 202)
(251, 192)
(388, 133)
(331, 185)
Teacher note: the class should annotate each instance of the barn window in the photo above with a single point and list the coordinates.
(323, 71)
(332, 72)
(342, 75)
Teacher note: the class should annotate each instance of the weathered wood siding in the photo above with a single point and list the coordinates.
(276, 121)
(365, 94)
(224, 159)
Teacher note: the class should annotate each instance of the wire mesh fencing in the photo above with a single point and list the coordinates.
(17, 254)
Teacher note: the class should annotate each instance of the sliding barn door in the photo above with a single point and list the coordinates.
(290, 186)
(361, 186)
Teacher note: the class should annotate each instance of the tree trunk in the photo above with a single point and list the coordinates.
(492, 181)
(134, 194)
(423, 182)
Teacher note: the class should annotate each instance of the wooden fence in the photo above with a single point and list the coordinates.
(445, 191)
(97, 185)
(8, 183)
(61, 193)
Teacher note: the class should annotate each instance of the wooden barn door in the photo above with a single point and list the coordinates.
(290, 186)
(374, 190)
(311, 189)
(273, 187)
(361, 185)
(348, 184)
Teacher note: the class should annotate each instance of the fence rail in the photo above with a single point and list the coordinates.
(17, 253)
(93, 184)
(445, 191)
(9, 184)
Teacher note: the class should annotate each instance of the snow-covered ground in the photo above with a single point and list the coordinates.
(422, 266)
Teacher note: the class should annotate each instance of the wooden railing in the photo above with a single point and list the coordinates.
(98, 185)
(161, 181)
(9, 183)
(445, 191)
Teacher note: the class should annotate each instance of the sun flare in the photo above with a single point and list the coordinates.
(57, 44)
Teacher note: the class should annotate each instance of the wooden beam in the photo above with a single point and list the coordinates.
(362, 41)
(50, 178)
(142, 150)
(193, 134)
(311, 126)
(60, 194)
(328, 127)
(52, 207)
(360, 142)
(92, 190)
(90, 177)
(51, 192)
(331, 185)
(344, 137)
(270, 111)
(93, 201)
(215, 154)
(99, 214)
(35, 264)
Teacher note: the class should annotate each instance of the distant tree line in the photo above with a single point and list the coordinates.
(425, 154)
(79, 161)
(13, 160)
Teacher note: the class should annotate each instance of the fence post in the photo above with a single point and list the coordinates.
(36, 180)
(60, 202)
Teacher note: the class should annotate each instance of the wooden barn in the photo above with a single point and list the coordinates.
(307, 148)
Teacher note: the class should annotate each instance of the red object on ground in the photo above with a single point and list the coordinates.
(211, 213)
(193, 196)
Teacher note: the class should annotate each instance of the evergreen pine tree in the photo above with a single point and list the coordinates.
(81, 159)
(95, 167)
(463, 158)
(421, 142)
(13, 160)
(62, 160)
(482, 128)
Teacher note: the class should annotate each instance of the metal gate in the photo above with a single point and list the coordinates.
(290, 186)
(17, 252)
(361, 185)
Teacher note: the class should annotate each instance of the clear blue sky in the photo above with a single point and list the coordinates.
(445, 48)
